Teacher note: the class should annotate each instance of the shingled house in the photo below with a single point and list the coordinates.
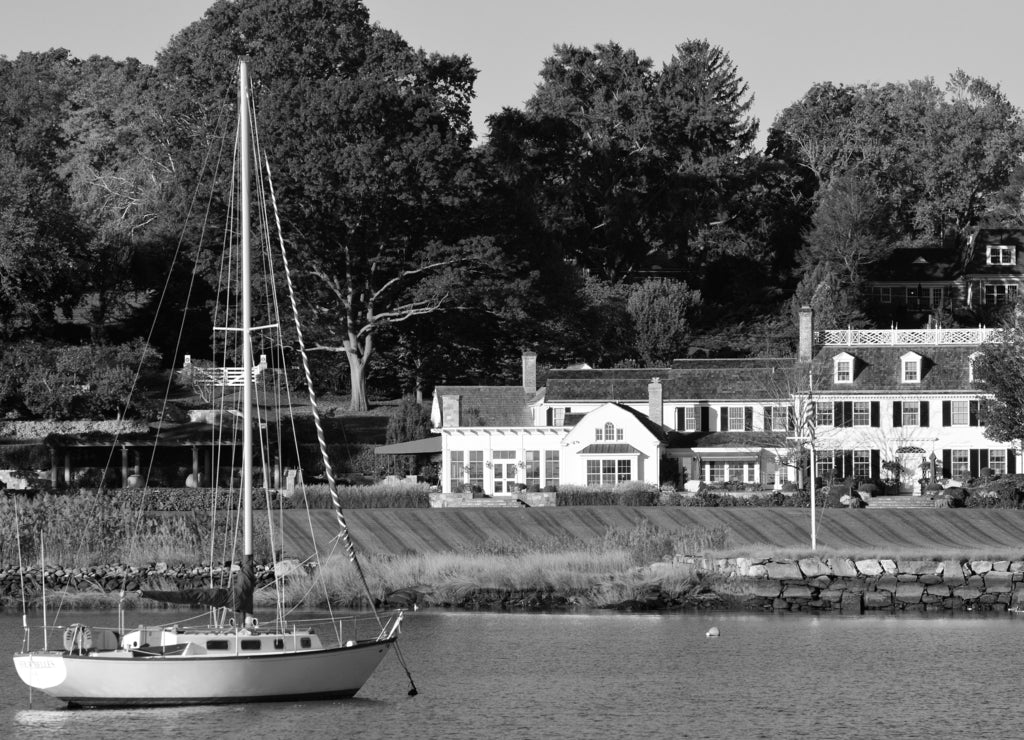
(890, 404)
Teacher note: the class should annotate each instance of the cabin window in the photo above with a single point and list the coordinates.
(911, 367)
(689, 418)
(250, 644)
(823, 415)
(216, 644)
(862, 413)
(278, 643)
(911, 413)
(960, 413)
(305, 642)
(736, 416)
(843, 368)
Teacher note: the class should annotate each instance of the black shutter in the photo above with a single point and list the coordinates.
(705, 419)
(1011, 461)
(790, 419)
(924, 413)
(876, 464)
(975, 463)
(748, 419)
(723, 419)
(876, 414)
(897, 414)
(847, 413)
(837, 413)
(550, 417)
(982, 459)
(947, 460)
(847, 460)
(680, 419)
(947, 413)
(974, 414)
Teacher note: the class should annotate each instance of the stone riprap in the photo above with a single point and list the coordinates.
(854, 586)
(112, 578)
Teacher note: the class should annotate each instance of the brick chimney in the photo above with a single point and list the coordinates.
(451, 411)
(655, 409)
(805, 350)
(529, 372)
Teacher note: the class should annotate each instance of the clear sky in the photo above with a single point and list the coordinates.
(781, 47)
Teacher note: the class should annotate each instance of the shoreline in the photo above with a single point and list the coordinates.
(741, 584)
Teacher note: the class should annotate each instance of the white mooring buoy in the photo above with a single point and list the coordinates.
(713, 632)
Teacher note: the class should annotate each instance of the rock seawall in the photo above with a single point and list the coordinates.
(855, 586)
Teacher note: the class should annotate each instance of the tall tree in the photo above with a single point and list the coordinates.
(1000, 370)
(370, 143)
(660, 310)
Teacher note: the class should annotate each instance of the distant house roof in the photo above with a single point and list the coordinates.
(619, 448)
(917, 265)
(491, 405)
(878, 368)
(740, 378)
(977, 258)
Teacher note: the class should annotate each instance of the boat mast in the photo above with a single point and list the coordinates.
(246, 298)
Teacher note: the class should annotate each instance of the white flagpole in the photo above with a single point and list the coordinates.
(810, 433)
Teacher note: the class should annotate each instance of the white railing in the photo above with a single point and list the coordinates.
(222, 376)
(855, 337)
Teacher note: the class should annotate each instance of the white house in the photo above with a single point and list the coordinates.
(884, 402)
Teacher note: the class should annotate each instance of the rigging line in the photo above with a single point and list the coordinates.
(332, 484)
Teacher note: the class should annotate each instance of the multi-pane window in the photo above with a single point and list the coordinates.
(779, 418)
(862, 463)
(824, 464)
(558, 416)
(885, 295)
(476, 468)
(960, 463)
(823, 415)
(608, 471)
(911, 371)
(533, 468)
(997, 461)
(1000, 293)
(608, 433)
(862, 413)
(911, 413)
(1000, 255)
(716, 472)
(960, 413)
(736, 414)
(690, 419)
(455, 470)
(844, 371)
(551, 467)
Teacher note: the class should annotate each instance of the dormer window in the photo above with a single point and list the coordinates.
(843, 368)
(1001, 255)
(910, 368)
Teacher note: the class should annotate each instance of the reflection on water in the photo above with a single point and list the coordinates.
(600, 675)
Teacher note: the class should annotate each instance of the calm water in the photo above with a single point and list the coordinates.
(617, 676)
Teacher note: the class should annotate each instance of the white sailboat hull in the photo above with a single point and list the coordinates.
(116, 678)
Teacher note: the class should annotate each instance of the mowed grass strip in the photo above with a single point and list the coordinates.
(423, 531)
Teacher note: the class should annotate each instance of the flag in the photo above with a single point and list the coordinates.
(807, 412)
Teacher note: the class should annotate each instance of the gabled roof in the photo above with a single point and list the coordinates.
(735, 378)
(660, 432)
(877, 368)
(491, 405)
(916, 265)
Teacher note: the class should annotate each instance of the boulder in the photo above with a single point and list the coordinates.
(930, 580)
(920, 567)
(831, 595)
(887, 583)
(784, 571)
(1002, 566)
(999, 582)
(869, 567)
(889, 566)
(767, 589)
(852, 603)
(966, 593)
(794, 591)
(953, 573)
(757, 571)
(812, 567)
(938, 589)
(981, 567)
(877, 600)
(844, 567)
(909, 593)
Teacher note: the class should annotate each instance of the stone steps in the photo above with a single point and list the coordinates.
(489, 503)
(901, 502)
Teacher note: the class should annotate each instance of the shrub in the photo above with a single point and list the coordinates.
(788, 487)
(868, 488)
(624, 494)
(956, 497)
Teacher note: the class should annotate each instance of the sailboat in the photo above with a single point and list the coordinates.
(233, 658)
